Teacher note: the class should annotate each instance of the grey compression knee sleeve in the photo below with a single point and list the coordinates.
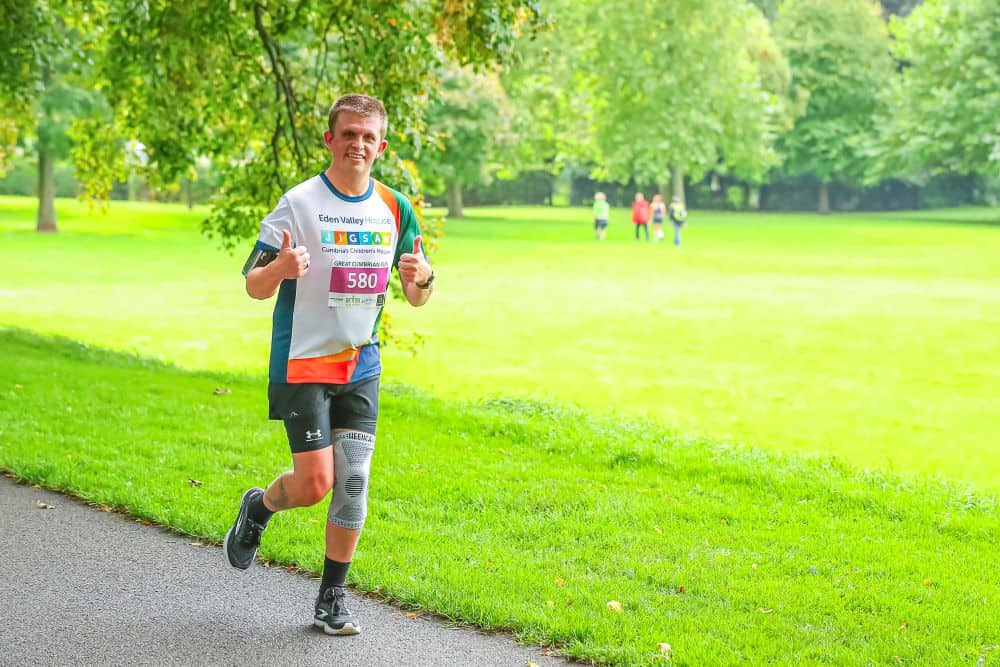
(352, 461)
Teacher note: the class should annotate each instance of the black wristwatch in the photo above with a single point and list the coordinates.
(426, 285)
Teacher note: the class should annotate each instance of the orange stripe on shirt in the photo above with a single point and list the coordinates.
(330, 369)
(390, 201)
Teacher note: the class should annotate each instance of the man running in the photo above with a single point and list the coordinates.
(324, 362)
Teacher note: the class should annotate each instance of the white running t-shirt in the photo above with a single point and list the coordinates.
(325, 322)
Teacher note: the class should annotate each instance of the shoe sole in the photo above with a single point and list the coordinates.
(229, 533)
(348, 629)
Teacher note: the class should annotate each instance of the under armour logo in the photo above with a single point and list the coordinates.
(312, 436)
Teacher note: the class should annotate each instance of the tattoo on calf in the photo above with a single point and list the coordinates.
(278, 496)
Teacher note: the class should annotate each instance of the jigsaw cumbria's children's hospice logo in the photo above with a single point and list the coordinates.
(356, 238)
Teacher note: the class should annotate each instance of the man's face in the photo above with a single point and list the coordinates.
(355, 142)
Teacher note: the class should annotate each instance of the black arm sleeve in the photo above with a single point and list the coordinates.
(258, 257)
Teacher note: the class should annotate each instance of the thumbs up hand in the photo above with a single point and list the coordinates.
(413, 266)
(292, 262)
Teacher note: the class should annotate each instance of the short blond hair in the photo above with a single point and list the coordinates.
(363, 105)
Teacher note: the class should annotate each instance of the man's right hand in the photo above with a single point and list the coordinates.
(292, 262)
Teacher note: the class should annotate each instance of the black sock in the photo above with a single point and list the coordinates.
(334, 574)
(257, 511)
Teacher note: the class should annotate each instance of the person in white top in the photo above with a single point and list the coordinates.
(327, 249)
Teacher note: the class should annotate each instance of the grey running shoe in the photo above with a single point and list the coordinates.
(333, 615)
(243, 538)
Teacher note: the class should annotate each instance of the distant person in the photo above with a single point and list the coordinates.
(659, 209)
(325, 363)
(678, 216)
(601, 212)
(640, 215)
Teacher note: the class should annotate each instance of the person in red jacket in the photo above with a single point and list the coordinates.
(640, 215)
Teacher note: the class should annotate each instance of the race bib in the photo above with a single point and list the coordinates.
(361, 287)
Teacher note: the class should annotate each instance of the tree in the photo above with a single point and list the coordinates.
(839, 53)
(554, 94)
(945, 109)
(41, 62)
(470, 120)
(250, 83)
(24, 32)
(671, 90)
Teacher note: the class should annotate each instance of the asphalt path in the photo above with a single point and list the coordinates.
(83, 587)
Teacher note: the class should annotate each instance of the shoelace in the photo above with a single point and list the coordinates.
(338, 604)
(251, 536)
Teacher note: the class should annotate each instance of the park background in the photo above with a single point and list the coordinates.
(775, 443)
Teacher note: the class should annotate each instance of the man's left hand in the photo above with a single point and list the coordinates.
(413, 266)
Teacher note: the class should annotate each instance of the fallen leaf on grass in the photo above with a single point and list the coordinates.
(411, 616)
(42, 505)
(194, 482)
(615, 606)
(104, 508)
(665, 649)
(145, 522)
(765, 611)
(681, 589)
(222, 391)
(904, 625)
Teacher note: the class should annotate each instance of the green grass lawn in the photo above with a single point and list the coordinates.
(575, 429)
(871, 338)
(526, 516)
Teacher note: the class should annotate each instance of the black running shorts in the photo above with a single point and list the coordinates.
(312, 411)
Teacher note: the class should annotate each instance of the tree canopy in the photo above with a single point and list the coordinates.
(660, 90)
(839, 53)
(250, 84)
(945, 108)
(629, 92)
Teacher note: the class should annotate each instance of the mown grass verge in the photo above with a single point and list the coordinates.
(530, 517)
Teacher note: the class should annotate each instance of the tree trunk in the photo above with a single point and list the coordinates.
(189, 192)
(454, 199)
(824, 198)
(46, 189)
(677, 174)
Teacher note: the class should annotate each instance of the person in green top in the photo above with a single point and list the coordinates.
(601, 211)
(678, 216)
